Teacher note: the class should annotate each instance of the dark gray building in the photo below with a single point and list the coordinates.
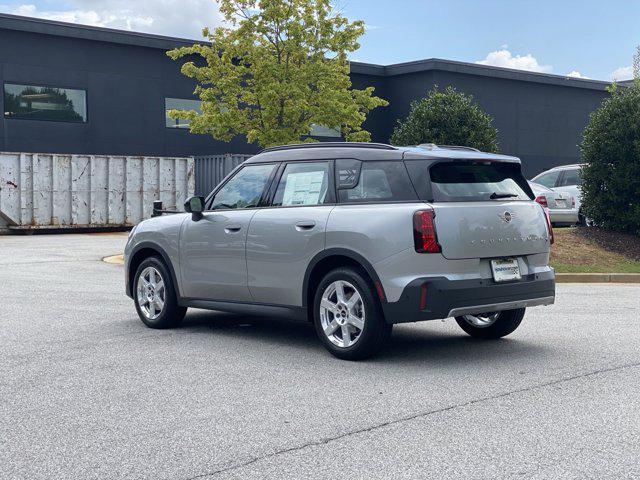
(77, 89)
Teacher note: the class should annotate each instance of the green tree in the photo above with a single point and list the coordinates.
(447, 118)
(611, 150)
(277, 68)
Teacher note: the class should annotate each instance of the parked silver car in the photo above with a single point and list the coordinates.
(354, 238)
(562, 206)
(566, 179)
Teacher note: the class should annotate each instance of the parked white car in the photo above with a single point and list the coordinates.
(562, 206)
(565, 179)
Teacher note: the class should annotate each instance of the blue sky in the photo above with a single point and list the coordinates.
(594, 39)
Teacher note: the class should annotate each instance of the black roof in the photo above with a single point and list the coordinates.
(297, 146)
(51, 27)
(372, 152)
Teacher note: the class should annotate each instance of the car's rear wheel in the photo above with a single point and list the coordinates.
(347, 316)
(491, 324)
(155, 296)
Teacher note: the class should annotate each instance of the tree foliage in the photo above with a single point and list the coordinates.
(611, 150)
(447, 118)
(277, 68)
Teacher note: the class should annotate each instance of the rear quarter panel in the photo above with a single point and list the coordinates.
(383, 235)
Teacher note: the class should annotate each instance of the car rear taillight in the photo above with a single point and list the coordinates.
(549, 227)
(424, 232)
(542, 200)
(573, 202)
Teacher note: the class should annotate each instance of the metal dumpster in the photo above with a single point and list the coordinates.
(210, 170)
(70, 191)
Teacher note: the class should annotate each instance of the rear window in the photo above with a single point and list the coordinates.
(477, 181)
(374, 181)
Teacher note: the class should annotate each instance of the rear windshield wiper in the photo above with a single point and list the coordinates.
(495, 195)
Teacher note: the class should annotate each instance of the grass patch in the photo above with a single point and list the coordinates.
(575, 253)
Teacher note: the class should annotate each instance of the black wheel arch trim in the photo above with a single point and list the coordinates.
(342, 252)
(165, 258)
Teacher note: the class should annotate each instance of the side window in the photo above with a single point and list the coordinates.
(547, 179)
(244, 189)
(304, 183)
(571, 178)
(378, 181)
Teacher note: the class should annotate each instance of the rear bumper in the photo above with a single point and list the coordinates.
(563, 216)
(448, 298)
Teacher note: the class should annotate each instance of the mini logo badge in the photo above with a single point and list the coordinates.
(506, 216)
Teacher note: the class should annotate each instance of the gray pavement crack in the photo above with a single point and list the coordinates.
(408, 418)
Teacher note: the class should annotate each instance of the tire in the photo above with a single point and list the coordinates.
(582, 220)
(364, 321)
(498, 324)
(147, 300)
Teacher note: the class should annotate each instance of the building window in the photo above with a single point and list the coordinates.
(322, 131)
(180, 104)
(44, 103)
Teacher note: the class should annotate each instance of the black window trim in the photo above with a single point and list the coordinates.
(46, 85)
(331, 188)
(209, 199)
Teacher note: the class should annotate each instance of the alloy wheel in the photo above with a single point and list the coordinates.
(342, 314)
(482, 320)
(151, 293)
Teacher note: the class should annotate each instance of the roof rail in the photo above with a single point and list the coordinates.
(378, 146)
(431, 146)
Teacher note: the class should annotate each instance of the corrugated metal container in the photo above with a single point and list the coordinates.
(52, 190)
(211, 170)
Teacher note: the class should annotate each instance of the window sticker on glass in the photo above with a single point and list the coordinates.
(303, 188)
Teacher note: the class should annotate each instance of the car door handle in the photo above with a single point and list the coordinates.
(232, 228)
(305, 225)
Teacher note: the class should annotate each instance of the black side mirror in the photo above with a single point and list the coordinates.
(157, 208)
(195, 206)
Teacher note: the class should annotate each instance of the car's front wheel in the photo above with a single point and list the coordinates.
(491, 324)
(155, 296)
(347, 317)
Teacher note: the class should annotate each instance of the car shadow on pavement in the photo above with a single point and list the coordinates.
(426, 342)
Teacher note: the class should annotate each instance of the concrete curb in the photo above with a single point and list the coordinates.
(597, 277)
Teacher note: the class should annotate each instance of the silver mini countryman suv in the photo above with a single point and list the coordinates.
(354, 238)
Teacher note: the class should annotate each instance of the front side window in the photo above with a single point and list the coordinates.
(33, 102)
(547, 179)
(377, 182)
(180, 104)
(571, 178)
(303, 183)
(244, 189)
(477, 181)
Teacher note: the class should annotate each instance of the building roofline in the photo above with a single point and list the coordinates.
(126, 37)
(438, 64)
(87, 32)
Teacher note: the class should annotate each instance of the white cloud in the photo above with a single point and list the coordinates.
(575, 74)
(166, 17)
(504, 58)
(622, 73)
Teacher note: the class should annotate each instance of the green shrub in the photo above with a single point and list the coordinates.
(611, 150)
(447, 118)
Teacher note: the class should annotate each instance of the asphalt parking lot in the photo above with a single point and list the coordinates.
(87, 391)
